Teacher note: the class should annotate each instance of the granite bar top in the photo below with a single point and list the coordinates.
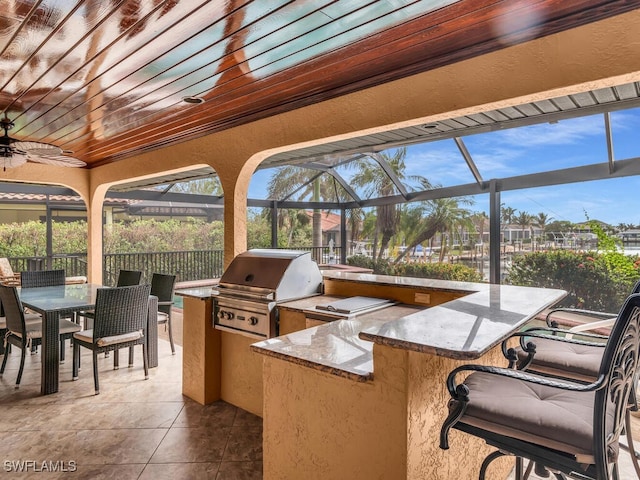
(407, 282)
(198, 292)
(336, 346)
(464, 328)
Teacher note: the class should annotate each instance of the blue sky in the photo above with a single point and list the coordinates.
(537, 148)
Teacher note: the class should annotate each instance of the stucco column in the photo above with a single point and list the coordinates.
(235, 185)
(94, 234)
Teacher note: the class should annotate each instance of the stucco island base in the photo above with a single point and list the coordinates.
(323, 426)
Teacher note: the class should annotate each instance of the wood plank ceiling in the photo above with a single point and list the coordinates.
(106, 79)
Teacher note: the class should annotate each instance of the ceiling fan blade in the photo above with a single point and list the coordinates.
(12, 162)
(57, 160)
(37, 148)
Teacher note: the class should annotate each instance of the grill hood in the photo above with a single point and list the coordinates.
(277, 274)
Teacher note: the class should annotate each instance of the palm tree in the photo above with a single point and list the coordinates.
(523, 220)
(478, 219)
(410, 217)
(293, 181)
(507, 214)
(541, 220)
(374, 182)
(355, 220)
(438, 216)
(202, 186)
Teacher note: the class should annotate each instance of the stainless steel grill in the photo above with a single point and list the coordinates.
(255, 281)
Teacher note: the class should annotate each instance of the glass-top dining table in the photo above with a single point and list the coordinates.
(65, 300)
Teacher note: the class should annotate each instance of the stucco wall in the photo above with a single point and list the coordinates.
(319, 426)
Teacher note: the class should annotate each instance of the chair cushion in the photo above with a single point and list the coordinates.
(546, 416)
(581, 362)
(87, 336)
(28, 318)
(74, 280)
(67, 326)
(32, 317)
(34, 329)
(163, 317)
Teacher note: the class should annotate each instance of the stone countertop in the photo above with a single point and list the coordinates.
(198, 292)
(464, 328)
(336, 346)
(407, 282)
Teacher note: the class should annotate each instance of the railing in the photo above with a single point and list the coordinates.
(73, 264)
(321, 255)
(187, 265)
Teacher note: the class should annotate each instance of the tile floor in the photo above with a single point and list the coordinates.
(135, 429)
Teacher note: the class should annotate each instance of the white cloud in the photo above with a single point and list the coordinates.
(565, 132)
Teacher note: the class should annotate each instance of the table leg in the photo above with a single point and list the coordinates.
(50, 353)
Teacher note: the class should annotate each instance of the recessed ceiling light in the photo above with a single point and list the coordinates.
(193, 100)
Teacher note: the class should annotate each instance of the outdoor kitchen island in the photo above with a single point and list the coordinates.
(363, 400)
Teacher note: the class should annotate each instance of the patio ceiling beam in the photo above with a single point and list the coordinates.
(599, 171)
(467, 158)
(390, 173)
(169, 187)
(160, 196)
(587, 173)
(507, 124)
(302, 205)
(609, 135)
(314, 159)
(338, 178)
(312, 179)
(35, 189)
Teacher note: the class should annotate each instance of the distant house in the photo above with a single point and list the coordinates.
(24, 207)
(630, 238)
(330, 227)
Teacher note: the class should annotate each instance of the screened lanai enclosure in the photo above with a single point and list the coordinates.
(461, 180)
(551, 155)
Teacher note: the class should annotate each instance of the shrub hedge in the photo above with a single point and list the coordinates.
(441, 271)
(594, 281)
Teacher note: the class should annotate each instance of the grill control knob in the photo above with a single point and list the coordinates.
(230, 315)
(253, 320)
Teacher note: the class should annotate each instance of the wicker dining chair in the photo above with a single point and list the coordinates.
(120, 321)
(42, 278)
(163, 287)
(567, 427)
(22, 333)
(126, 278)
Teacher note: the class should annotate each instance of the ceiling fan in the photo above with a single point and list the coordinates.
(14, 153)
